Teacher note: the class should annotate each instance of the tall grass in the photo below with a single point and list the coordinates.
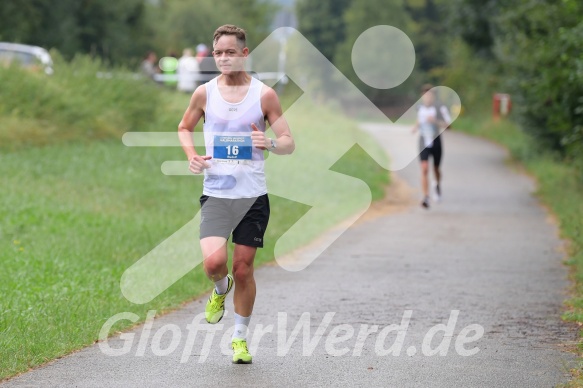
(72, 104)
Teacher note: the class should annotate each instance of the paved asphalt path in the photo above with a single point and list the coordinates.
(485, 257)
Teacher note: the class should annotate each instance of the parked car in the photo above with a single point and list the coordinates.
(33, 57)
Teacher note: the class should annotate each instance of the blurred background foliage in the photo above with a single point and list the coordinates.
(531, 49)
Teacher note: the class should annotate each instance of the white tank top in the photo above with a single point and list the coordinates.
(427, 130)
(237, 168)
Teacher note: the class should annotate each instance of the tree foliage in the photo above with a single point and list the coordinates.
(537, 45)
(334, 26)
(122, 31)
(474, 22)
(322, 23)
(112, 30)
(179, 24)
(542, 54)
(429, 32)
(359, 17)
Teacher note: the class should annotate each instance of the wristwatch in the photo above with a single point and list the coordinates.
(273, 144)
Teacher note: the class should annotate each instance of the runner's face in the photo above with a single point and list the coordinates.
(428, 99)
(228, 54)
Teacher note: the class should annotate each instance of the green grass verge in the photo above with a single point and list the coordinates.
(77, 212)
(559, 188)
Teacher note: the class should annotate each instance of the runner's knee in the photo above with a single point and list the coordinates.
(242, 271)
(214, 262)
(424, 168)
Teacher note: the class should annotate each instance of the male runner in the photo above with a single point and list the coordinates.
(431, 117)
(234, 107)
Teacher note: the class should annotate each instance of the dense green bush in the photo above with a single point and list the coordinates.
(543, 60)
(73, 104)
(473, 78)
(535, 47)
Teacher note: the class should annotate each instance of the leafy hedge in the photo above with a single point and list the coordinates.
(72, 104)
(535, 48)
(543, 57)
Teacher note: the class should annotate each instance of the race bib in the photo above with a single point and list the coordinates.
(233, 147)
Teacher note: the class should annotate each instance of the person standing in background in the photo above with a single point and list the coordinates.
(149, 66)
(206, 63)
(187, 71)
(169, 66)
(202, 51)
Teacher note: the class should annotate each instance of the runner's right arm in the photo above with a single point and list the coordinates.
(415, 127)
(192, 116)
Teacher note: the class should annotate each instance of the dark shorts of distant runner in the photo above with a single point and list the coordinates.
(245, 218)
(435, 151)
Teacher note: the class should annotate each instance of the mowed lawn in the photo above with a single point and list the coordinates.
(75, 215)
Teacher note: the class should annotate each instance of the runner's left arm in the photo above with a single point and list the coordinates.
(446, 116)
(273, 112)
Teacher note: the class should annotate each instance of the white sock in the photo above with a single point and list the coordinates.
(241, 326)
(222, 285)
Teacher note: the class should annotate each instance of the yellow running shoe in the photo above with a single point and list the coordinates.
(240, 353)
(215, 305)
